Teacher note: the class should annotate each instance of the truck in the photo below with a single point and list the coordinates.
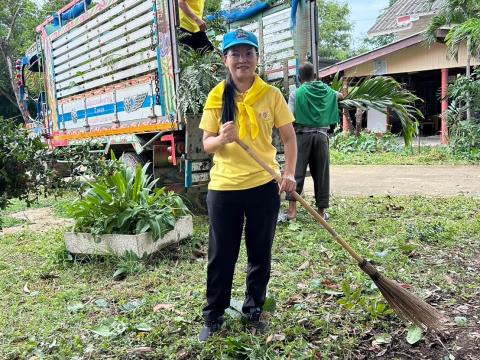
(110, 71)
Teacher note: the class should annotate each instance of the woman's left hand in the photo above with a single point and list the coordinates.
(288, 184)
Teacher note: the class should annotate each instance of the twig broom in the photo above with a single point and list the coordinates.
(405, 304)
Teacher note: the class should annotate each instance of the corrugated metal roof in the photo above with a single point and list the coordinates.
(388, 23)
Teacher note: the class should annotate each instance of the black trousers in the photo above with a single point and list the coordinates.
(228, 211)
(197, 41)
(312, 150)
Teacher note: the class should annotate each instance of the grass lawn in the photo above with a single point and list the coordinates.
(56, 306)
(425, 155)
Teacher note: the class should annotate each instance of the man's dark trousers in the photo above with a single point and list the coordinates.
(227, 211)
(312, 150)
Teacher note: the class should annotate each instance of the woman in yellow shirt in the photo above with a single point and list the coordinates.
(243, 107)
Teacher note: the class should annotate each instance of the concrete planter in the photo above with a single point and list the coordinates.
(118, 244)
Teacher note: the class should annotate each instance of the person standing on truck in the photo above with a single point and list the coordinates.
(240, 192)
(192, 26)
(315, 105)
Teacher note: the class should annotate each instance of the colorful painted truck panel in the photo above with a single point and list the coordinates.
(109, 68)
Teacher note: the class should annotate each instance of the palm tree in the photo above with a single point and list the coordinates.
(468, 31)
(385, 94)
(461, 17)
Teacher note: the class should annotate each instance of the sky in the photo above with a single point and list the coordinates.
(363, 14)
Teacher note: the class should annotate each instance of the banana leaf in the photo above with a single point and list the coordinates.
(384, 94)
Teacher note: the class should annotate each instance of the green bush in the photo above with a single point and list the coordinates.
(464, 133)
(365, 142)
(199, 74)
(29, 169)
(23, 167)
(465, 139)
(126, 202)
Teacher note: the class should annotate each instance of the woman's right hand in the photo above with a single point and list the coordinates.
(228, 132)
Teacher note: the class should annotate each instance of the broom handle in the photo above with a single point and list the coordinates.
(302, 201)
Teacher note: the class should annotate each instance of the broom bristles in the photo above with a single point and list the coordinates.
(404, 303)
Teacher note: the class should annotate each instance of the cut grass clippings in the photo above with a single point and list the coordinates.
(60, 306)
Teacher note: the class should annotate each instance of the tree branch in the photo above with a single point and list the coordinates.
(7, 38)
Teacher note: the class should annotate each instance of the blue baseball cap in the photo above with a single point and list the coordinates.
(239, 37)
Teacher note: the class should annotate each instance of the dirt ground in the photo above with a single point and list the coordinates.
(364, 180)
(40, 220)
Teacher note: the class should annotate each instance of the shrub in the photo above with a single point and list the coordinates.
(29, 169)
(126, 202)
(464, 134)
(366, 142)
(465, 139)
(22, 164)
(199, 74)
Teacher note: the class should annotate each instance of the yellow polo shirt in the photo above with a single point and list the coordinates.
(233, 168)
(185, 22)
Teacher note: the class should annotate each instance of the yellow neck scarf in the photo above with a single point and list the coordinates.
(245, 112)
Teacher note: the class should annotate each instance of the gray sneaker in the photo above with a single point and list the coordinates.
(211, 327)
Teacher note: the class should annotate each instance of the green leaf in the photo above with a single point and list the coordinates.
(383, 338)
(132, 305)
(414, 334)
(138, 183)
(270, 304)
(460, 320)
(110, 328)
(236, 305)
(120, 274)
(346, 289)
(143, 327)
(75, 307)
(102, 330)
(101, 303)
(233, 313)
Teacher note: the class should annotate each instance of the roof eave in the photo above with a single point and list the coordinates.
(371, 55)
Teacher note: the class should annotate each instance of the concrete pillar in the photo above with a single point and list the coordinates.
(444, 106)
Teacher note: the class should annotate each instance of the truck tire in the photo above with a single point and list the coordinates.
(132, 160)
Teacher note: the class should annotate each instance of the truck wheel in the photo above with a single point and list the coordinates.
(132, 160)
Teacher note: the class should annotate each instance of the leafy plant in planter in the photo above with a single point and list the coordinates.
(126, 202)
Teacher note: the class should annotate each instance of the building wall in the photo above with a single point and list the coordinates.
(415, 58)
(417, 27)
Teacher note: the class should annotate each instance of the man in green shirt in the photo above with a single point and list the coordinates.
(315, 106)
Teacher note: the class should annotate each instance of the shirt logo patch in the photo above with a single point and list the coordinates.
(264, 114)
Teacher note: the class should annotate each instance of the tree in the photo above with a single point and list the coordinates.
(334, 30)
(461, 17)
(18, 20)
(469, 32)
(17, 32)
